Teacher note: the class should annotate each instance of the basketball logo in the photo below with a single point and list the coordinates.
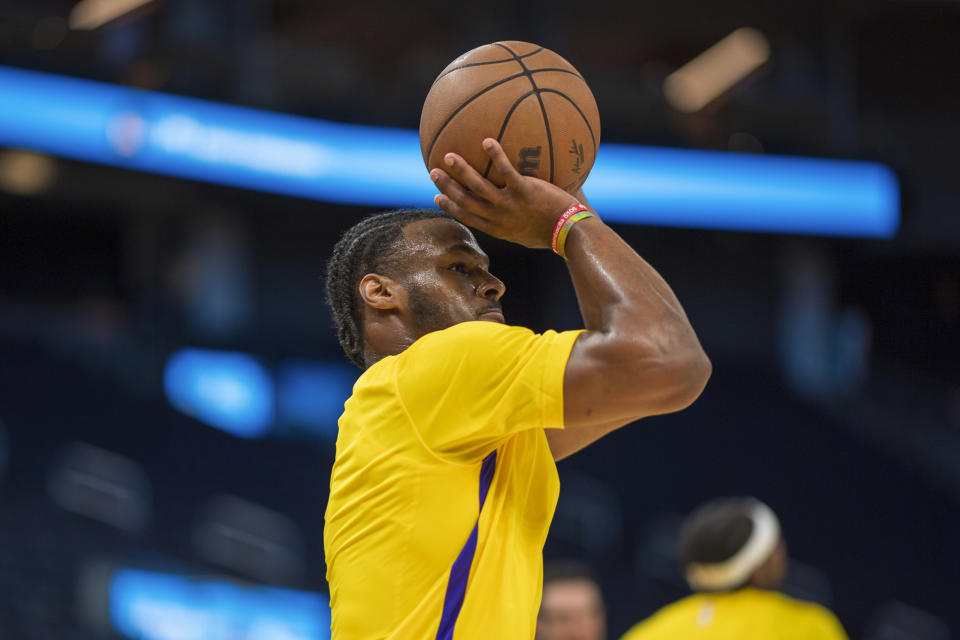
(529, 161)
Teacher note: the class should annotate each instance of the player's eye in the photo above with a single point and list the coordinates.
(459, 267)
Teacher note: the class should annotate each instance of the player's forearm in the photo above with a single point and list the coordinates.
(590, 310)
(623, 298)
(592, 307)
(621, 288)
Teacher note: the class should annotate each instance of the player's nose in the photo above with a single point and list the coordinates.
(491, 287)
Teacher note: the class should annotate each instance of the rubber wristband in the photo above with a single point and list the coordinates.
(562, 220)
(562, 238)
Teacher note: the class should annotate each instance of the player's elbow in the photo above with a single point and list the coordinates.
(673, 379)
(635, 376)
(691, 371)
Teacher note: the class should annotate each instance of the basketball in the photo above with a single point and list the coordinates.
(527, 97)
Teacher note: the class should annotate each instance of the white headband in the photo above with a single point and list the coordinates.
(735, 571)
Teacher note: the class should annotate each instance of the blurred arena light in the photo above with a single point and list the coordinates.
(310, 395)
(227, 390)
(26, 173)
(237, 534)
(90, 14)
(379, 166)
(233, 392)
(896, 620)
(101, 485)
(715, 71)
(149, 605)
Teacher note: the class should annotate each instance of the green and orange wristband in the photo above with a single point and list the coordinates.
(565, 222)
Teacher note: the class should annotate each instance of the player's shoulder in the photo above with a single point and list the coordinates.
(473, 336)
(475, 329)
(812, 613)
(665, 622)
(788, 602)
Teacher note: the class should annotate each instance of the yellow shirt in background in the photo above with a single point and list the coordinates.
(745, 614)
(444, 487)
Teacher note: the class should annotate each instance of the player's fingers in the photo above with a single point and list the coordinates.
(470, 219)
(469, 177)
(465, 198)
(501, 161)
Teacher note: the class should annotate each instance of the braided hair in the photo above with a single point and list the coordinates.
(366, 247)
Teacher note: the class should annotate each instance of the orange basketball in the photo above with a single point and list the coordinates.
(530, 99)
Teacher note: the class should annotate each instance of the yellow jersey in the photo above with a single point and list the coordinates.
(745, 614)
(443, 487)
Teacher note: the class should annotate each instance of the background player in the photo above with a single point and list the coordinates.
(572, 606)
(444, 482)
(734, 557)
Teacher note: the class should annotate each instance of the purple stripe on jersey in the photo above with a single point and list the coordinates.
(460, 571)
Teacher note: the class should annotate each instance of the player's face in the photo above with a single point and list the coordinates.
(448, 279)
(571, 610)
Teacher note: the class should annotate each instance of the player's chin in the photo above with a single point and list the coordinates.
(492, 316)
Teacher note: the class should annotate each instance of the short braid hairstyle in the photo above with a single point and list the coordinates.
(367, 247)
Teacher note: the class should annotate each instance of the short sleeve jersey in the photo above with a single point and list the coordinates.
(443, 487)
(745, 614)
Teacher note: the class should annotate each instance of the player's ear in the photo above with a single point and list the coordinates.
(379, 291)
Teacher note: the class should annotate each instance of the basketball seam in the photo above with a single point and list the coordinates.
(503, 127)
(480, 64)
(543, 108)
(593, 138)
(463, 104)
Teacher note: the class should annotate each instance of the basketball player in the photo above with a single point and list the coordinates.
(734, 558)
(445, 480)
(572, 605)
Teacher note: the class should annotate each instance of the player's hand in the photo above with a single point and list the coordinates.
(524, 210)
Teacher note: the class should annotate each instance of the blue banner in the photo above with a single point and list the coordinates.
(383, 167)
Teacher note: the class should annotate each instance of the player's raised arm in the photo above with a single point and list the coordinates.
(639, 355)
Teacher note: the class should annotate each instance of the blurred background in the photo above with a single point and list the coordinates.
(170, 377)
